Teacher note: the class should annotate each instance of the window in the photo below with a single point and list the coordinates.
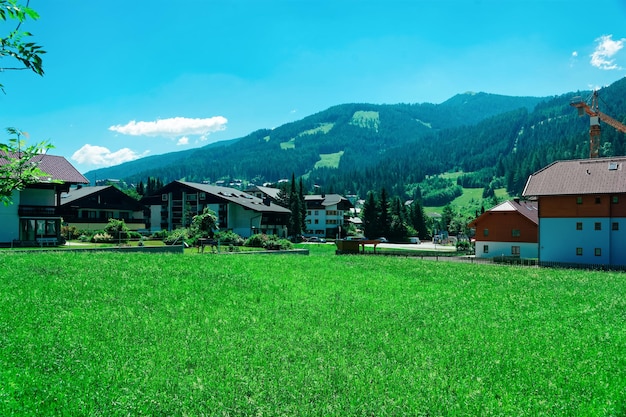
(615, 226)
(317, 221)
(579, 225)
(317, 212)
(597, 226)
(579, 251)
(579, 200)
(485, 248)
(486, 232)
(515, 233)
(192, 197)
(163, 197)
(515, 250)
(615, 199)
(597, 251)
(598, 201)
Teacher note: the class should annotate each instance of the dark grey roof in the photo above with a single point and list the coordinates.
(327, 199)
(581, 176)
(238, 197)
(77, 193)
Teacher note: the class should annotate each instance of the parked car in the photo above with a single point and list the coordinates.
(383, 239)
(317, 239)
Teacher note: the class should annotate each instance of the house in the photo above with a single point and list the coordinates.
(33, 218)
(91, 208)
(325, 214)
(508, 229)
(174, 206)
(582, 211)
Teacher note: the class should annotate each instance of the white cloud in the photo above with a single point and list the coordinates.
(606, 48)
(172, 127)
(101, 156)
(575, 54)
(183, 141)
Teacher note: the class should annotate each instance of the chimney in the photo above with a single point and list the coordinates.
(267, 201)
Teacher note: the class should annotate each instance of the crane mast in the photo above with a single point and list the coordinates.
(595, 116)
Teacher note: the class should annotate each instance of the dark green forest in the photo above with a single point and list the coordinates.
(496, 141)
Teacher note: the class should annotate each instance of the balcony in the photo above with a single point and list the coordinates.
(37, 211)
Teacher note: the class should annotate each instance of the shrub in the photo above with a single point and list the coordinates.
(176, 237)
(229, 238)
(70, 232)
(102, 238)
(269, 242)
(117, 229)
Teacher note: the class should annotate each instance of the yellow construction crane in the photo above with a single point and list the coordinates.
(595, 115)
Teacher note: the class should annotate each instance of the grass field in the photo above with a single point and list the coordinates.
(136, 334)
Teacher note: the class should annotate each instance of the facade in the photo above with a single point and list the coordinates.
(325, 214)
(510, 229)
(91, 208)
(174, 206)
(33, 218)
(582, 211)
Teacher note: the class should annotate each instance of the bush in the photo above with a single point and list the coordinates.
(229, 238)
(102, 238)
(118, 230)
(70, 232)
(269, 242)
(176, 237)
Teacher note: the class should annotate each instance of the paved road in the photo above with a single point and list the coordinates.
(421, 246)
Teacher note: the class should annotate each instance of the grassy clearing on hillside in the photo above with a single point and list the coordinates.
(135, 334)
(329, 160)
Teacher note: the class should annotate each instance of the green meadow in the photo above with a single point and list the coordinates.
(108, 334)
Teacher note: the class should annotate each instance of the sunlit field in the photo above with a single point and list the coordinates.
(205, 334)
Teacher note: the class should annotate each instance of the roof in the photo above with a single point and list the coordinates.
(269, 191)
(57, 168)
(238, 197)
(528, 209)
(328, 199)
(111, 196)
(581, 176)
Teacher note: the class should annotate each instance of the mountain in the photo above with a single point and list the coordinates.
(354, 148)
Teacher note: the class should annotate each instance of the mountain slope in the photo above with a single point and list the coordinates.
(354, 148)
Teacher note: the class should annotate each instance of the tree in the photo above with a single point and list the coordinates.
(25, 55)
(19, 164)
(117, 229)
(384, 218)
(369, 215)
(204, 224)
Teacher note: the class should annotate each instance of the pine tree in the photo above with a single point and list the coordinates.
(384, 221)
(369, 215)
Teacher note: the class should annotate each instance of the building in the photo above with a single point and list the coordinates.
(325, 214)
(91, 208)
(508, 229)
(33, 218)
(174, 206)
(582, 211)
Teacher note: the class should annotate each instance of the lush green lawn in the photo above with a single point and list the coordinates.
(139, 334)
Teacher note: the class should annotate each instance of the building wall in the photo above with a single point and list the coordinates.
(583, 206)
(560, 238)
(9, 219)
(498, 226)
(328, 221)
(37, 197)
(495, 248)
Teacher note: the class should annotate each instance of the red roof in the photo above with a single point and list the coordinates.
(57, 168)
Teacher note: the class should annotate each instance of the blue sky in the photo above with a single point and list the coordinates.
(126, 79)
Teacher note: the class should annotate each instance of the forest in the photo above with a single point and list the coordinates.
(495, 141)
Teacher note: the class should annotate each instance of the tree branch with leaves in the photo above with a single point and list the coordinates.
(23, 55)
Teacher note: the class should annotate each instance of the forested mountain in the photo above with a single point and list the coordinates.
(355, 148)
